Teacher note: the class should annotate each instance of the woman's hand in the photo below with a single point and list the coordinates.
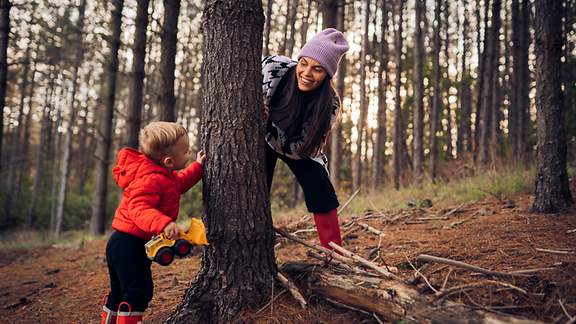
(201, 156)
(266, 114)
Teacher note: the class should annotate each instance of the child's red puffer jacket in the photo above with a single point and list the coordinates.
(151, 197)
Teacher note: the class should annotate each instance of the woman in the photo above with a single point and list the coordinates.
(300, 106)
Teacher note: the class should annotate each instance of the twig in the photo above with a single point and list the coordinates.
(292, 289)
(448, 292)
(377, 319)
(363, 261)
(531, 270)
(341, 265)
(306, 230)
(371, 229)
(422, 276)
(571, 231)
(348, 201)
(313, 246)
(555, 251)
(448, 214)
(570, 318)
(446, 279)
(463, 265)
(416, 277)
(271, 302)
(346, 306)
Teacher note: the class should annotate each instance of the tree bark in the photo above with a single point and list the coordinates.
(398, 125)
(378, 172)
(292, 21)
(490, 71)
(168, 60)
(437, 96)
(134, 113)
(357, 176)
(305, 23)
(552, 188)
(336, 133)
(267, 27)
(238, 265)
(104, 143)
(5, 6)
(447, 82)
(464, 142)
(519, 98)
(67, 154)
(418, 154)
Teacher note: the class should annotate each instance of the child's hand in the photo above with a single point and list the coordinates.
(171, 231)
(201, 156)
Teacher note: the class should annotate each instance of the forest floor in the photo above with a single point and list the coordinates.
(65, 283)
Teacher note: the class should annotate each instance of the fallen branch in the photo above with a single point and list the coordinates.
(371, 229)
(448, 292)
(453, 211)
(531, 270)
(363, 261)
(391, 300)
(571, 231)
(555, 251)
(422, 276)
(341, 265)
(463, 265)
(348, 201)
(292, 289)
(313, 246)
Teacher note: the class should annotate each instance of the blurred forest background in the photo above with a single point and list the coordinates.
(432, 91)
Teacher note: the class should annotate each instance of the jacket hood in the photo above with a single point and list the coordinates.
(132, 164)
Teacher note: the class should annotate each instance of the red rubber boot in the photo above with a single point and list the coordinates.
(107, 316)
(328, 228)
(127, 316)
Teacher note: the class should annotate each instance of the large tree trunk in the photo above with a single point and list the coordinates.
(328, 8)
(378, 171)
(519, 98)
(104, 143)
(437, 96)
(67, 154)
(464, 142)
(552, 188)
(15, 155)
(268, 27)
(238, 266)
(357, 169)
(134, 113)
(168, 60)
(5, 6)
(418, 154)
(291, 41)
(39, 178)
(305, 23)
(398, 125)
(336, 134)
(490, 71)
(447, 82)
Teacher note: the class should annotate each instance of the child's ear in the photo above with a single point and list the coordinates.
(168, 162)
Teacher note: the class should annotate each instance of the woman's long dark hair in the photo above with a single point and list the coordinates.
(319, 119)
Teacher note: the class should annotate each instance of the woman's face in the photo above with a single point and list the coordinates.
(309, 74)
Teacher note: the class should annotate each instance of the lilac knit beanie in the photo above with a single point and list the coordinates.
(326, 47)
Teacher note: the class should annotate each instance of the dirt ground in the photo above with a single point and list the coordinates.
(65, 284)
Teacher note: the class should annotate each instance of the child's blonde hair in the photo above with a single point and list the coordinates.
(157, 138)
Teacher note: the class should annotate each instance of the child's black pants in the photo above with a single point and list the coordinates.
(129, 269)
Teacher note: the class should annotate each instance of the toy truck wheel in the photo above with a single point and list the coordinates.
(182, 248)
(164, 256)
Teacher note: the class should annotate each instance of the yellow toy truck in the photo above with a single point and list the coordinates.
(162, 250)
